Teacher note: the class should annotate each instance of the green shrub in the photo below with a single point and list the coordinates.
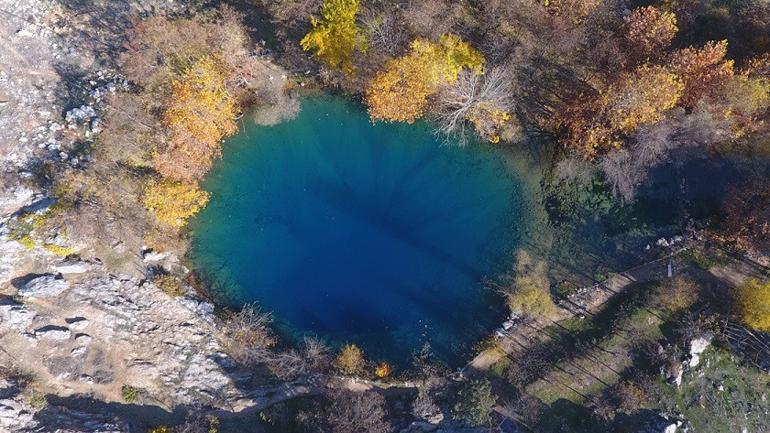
(170, 284)
(530, 292)
(475, 403)
(701, 260)
(129, 393)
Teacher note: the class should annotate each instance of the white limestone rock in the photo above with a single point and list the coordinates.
(73, 267)
(77, 323)
(45, 286)
(697, 347)
(16, 316)
(53, 332)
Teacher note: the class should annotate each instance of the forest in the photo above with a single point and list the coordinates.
(605, 91)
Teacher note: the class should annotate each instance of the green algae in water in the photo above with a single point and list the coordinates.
(373, 234)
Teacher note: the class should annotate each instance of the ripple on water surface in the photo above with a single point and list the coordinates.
(375, 234)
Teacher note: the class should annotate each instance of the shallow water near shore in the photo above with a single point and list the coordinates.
(375, 234)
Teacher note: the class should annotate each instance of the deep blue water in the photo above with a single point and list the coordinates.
(373, 234)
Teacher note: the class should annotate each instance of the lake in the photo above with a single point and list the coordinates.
(377, 234)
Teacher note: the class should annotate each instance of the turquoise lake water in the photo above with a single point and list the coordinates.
(354, 232)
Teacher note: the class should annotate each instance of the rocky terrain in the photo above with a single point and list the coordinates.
(68, 325)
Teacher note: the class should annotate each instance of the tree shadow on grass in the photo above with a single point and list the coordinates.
(564, 416)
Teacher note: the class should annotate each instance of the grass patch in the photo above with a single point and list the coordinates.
(702, 260)
(720, 395)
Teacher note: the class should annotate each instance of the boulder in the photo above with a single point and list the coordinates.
(77, 323)
(53, 332)
(14, 413)
(152, 256)
(16, 316)
(697, 346)
(73, 267)
(44, 286)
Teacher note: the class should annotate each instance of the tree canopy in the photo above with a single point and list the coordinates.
(754, 300)
(400, 92)
(336, 36)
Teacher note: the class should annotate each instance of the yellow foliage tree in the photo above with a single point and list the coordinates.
(199, 113)
(529, 293)
(754, 300)
(400, 92)
(350, 360)
(336, 36)
(639, 98)
(172, 202)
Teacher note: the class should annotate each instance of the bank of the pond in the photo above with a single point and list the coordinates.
(381, 234)
(375, 234)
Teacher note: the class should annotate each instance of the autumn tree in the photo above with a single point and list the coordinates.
(199, 113)
(483, 100)
(754, 301)
(172, 202)
(648, 31)
(747, 215)
(350, 360)
(527, 288)
(336, 35)
(639, 98)
(358, 413)
(574, 11)
(385, 31)
(703, 71)
(160, 49)
(250, 341)
(742, 102)
(400, 92)
(344, 411)
(187, 75)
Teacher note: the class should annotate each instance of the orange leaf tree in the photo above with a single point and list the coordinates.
(638, 98)
(702, 70)
(649, 30)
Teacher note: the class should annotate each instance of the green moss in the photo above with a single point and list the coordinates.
(26, 227)
(58, 249)
(26, 241)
